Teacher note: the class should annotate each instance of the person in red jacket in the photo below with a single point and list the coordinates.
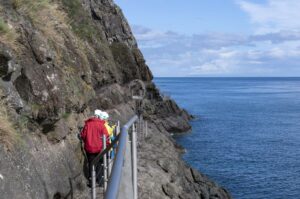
(92, 135)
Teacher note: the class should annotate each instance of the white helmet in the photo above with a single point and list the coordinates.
(98, 113)
(104, 116)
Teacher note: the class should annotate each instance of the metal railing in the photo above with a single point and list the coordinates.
(114, 169)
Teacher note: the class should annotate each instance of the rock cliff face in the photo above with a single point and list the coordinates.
(59, 60)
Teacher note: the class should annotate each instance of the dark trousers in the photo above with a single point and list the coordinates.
(98, 167)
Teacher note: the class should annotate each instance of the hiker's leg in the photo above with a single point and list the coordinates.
(100, 178)
(90, 157)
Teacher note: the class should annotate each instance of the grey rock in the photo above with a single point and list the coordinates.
(7, 64)
(40, 48)
(12, 95)
(167, 165)
(198, 177)
(170, 190)
(188, 175)
(39, 170)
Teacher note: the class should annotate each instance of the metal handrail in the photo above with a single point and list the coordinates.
(115, 178)
(106, 150)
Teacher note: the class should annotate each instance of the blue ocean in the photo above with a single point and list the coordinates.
(246, 134)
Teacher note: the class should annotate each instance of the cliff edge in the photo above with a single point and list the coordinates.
(59, 60)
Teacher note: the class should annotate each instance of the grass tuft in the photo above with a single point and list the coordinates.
(4, 29)
(31, 7)
(7, 34)
(8, 135)
(80, 22)
(44, 15)
(66, 116)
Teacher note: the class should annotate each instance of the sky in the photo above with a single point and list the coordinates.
(217, 38)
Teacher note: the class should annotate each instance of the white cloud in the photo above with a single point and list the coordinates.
(220, 54)
(273, 16)
(144, 34)
(214, 67)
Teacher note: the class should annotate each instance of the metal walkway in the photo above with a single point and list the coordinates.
(118, 174)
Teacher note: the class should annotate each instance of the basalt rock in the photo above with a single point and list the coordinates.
(59, 60)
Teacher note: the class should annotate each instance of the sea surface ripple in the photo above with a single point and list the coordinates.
(246, 135)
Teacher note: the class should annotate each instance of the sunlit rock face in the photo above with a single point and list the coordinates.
(59, 60)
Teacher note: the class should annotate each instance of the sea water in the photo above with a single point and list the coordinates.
(246, 135)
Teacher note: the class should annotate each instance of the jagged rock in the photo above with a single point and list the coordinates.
(198, 177)
(7, 64)
(4, 63)
(12, 95)
(159, 157)
(167, 165)
(56, 131)
(204, 193)
(188, 175)
(108, 97)
(40, 48)
(170, 190)
(176, 124)
(41, 170)
(111, 17)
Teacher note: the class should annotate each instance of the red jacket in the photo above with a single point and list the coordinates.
(92, 134)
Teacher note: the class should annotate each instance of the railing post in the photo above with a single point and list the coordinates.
(117, 132)
(139, 124)
(134, 161)
(108, 163)
(118, 128)
(104, 164)
(93, 182)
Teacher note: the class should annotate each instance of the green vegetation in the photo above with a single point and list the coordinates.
(4, 29)
(35, 108)
(8, 135)
(31, 7)
(80, 22)
(7, 34)
(121, 53)
(66, 116)
(44, 15)
(74, 7)
(22, 123)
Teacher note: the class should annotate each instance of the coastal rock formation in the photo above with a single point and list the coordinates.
(59, 60)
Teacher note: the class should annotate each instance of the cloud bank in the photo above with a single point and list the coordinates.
(273, 49)
(273, 16)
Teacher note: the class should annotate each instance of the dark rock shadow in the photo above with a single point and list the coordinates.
(85, 168)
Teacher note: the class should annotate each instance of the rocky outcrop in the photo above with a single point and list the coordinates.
(59, 60)
(164, 175)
